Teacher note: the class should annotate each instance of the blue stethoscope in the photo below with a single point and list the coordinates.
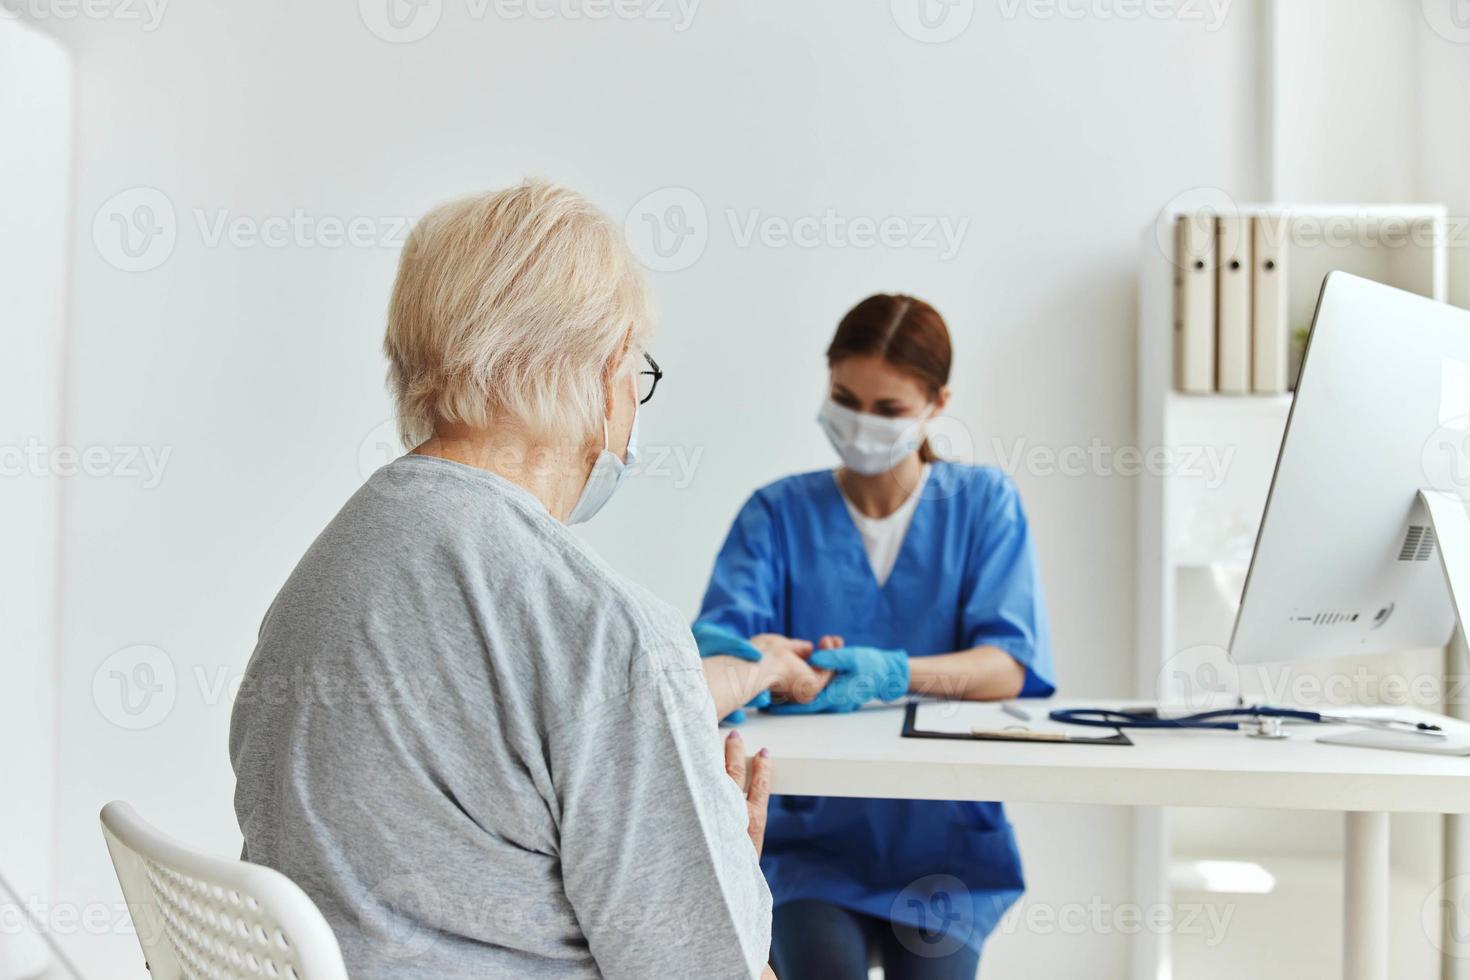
(1264, 721)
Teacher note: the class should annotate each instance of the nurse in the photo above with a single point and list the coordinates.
(898, 572)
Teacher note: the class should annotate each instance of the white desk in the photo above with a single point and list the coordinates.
(862, 754)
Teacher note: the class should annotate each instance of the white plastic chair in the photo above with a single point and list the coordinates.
(201, 917)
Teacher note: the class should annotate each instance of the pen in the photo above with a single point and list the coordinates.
(1015, 712)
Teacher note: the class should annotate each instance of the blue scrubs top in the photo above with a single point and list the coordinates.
(965, 576)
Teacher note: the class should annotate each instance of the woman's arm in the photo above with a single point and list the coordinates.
(984, 673)
(1003, 616)
(782, 671)
(652, 836)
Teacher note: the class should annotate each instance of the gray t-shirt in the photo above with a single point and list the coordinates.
(484, 754)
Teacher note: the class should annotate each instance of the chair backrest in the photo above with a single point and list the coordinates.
(203, 917)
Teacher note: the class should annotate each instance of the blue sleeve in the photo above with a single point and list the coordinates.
(1004, 606)
(744, 593)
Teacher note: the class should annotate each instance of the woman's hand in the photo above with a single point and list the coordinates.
(754, 780)
(791, 677)
(860, 675)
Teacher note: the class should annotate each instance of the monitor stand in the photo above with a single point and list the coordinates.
(1451, 527)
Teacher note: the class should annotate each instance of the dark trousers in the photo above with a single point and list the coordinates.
(813, 940)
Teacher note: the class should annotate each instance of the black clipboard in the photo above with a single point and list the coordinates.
(910, 730)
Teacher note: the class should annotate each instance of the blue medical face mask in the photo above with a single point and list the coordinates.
(869, 444)
(607, 472)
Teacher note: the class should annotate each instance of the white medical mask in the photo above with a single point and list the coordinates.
(869, 444)
(607, 472)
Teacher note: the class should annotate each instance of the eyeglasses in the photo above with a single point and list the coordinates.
(648, 380)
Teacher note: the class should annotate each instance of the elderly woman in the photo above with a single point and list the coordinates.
(481, 751)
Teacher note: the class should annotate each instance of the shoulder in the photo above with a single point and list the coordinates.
(791, 491)
(620, 651)
(986, 491)
(660, 633)
(770, 510)
(482, 535)
(622, 624)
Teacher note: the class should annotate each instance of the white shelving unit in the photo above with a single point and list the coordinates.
(1198, 515)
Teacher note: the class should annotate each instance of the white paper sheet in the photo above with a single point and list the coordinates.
(964, 717)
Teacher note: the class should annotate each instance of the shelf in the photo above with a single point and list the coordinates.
(1280, 402)
(1369, 214)
(1196, 522)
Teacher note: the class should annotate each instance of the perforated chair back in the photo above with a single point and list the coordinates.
(205, 918)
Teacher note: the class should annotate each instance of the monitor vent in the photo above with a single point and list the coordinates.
(1418, 543)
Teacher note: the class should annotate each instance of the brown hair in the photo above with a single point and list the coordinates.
(907, 333)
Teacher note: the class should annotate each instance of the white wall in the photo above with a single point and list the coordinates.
(257, 369)
(1344, 126)
(1443, 161)
(35, 183)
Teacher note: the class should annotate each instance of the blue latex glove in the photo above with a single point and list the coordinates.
(716, 641)
(859, 675)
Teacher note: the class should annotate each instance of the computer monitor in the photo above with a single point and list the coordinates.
(1366, 517)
